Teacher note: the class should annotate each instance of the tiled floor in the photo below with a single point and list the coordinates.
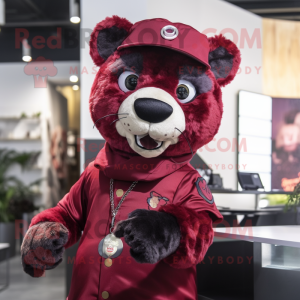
(24, 287)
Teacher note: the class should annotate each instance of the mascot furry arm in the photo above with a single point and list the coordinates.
(184, 241)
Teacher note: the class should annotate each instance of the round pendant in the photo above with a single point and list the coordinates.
(110, 246)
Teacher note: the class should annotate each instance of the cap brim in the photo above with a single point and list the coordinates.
(164, 46)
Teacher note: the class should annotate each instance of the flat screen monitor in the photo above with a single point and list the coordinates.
(250, 181)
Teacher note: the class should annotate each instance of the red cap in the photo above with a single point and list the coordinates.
(163, 33)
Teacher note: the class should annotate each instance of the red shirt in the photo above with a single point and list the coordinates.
(88, 205)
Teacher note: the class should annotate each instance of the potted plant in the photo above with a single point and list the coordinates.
(293, 204)
(15, 197)
(294, 199)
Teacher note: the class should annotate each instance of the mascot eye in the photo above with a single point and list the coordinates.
(128, 81)
(185, 91)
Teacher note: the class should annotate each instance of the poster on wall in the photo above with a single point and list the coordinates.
(285, 144)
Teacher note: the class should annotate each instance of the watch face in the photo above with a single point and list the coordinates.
(204, 190)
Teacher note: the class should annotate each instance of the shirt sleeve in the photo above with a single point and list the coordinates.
(194, 208)
(75, 202)
(193, 193)
(70, 211)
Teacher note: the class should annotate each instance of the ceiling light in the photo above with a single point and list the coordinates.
(2, 12)
(73, 78)
(74, 12)
(75, 87)
(27, 58)
(26, 51)
(75, 20)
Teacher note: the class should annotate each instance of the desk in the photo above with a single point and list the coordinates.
(276, 216)
(261, 212)
(275, 235)
(249, 214)
(248, 192)
(5, 247)
(276, 258)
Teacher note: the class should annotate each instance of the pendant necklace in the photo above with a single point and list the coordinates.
(111, 246)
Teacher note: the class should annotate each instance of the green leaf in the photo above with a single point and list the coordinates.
(12, 188)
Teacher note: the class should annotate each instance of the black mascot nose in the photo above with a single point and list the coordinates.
(152, 110)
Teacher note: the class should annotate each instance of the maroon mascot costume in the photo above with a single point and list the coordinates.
(142, 213)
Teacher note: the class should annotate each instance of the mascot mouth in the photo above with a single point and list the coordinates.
(145, 141)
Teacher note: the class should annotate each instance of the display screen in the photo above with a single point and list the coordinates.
(270, 128)
(250, 181)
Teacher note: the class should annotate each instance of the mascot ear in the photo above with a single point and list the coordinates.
(107, 36)
(224, 59)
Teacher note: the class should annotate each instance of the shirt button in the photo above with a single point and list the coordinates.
(108, 262)
(105, 295)
(119, 193)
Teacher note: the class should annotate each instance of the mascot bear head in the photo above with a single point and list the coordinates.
(158, 89)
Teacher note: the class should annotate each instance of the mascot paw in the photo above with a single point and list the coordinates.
(43, 247)
(151, 235)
